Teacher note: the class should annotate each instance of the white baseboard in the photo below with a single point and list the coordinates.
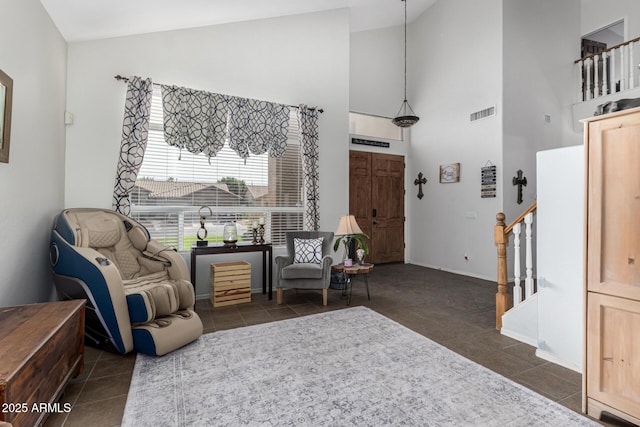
(462, 273)
(519, 337)
(550, 357)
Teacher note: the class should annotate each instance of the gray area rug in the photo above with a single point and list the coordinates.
(345, 367)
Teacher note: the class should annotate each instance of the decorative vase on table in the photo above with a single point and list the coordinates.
(230, 234)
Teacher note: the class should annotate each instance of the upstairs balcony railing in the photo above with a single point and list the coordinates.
(610, 71)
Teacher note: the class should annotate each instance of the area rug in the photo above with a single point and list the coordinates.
(351, 367)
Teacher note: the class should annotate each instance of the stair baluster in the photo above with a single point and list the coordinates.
(517, 290)
(501, 238)
(528, 281)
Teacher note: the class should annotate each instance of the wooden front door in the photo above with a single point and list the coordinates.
(376, 199)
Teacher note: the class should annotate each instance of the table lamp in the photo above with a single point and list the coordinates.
(347, 227)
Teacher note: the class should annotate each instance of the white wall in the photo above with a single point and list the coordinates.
(597, 14)
(33, 54)
(560, 251)
(538, 81)
(376, 85)
(455, 69)
(293, 60)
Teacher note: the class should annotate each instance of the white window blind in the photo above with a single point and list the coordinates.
(173, 185)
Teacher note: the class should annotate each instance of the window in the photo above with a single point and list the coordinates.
(173, 185)
(373, 126)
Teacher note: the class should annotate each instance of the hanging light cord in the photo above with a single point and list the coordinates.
(405, 117)
(405, 49)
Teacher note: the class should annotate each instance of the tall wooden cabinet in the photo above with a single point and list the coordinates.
(611, 380)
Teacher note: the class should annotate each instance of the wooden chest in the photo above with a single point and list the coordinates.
(230, 283)
(41, 349)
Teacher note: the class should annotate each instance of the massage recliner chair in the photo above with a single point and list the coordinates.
(138, 292)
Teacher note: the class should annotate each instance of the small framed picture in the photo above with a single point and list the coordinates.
(6, 97)
(450, 173)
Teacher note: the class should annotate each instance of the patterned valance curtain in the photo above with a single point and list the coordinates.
(308, 119)
(201, 122)
(257, 127)
(135, 131)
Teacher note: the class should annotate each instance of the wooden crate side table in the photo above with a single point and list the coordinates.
(230, 283)
(41, 349)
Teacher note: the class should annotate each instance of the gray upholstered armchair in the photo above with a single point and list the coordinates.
(307, 264)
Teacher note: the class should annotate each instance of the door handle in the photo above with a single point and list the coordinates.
(374, 213)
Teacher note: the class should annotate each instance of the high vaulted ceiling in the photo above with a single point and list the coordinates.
(95, 19)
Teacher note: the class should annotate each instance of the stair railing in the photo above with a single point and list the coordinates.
(607, 72)
(501, 237)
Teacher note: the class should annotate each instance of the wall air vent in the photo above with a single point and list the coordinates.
(483, 114)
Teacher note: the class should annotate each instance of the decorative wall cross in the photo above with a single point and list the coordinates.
(520, 181)
(419, 181)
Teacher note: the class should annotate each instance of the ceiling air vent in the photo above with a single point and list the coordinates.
(483, 114)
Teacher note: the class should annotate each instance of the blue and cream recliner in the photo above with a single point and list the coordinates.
(138, 292)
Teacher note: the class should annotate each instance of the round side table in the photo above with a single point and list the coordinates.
(351, 272)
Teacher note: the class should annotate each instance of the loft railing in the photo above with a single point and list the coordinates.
(501, 237)
(610, 71)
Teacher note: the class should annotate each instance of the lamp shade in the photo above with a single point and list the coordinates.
(348, 226)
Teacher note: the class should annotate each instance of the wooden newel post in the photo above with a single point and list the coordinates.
(503, 299)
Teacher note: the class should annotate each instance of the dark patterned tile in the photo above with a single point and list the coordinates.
(250, 308)
(546, 383)
(226, 326)
(525, 352)
(564, 373)
(228, 322)
(103, 413)
(573, 401)
(304, 309)
(105, 388)
(281, 313)
(256, 317)
(111, 364)
(91, 354)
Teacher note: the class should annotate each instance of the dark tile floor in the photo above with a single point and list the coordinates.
(455, 311)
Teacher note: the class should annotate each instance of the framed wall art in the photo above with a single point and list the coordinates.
(450, 173)
(6, 97)
(488, 181)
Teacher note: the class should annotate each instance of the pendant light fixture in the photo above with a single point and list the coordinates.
(405, 117)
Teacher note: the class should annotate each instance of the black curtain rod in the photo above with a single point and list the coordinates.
(126, 79)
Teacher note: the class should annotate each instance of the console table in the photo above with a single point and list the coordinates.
(41, 349)
(220, 248)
